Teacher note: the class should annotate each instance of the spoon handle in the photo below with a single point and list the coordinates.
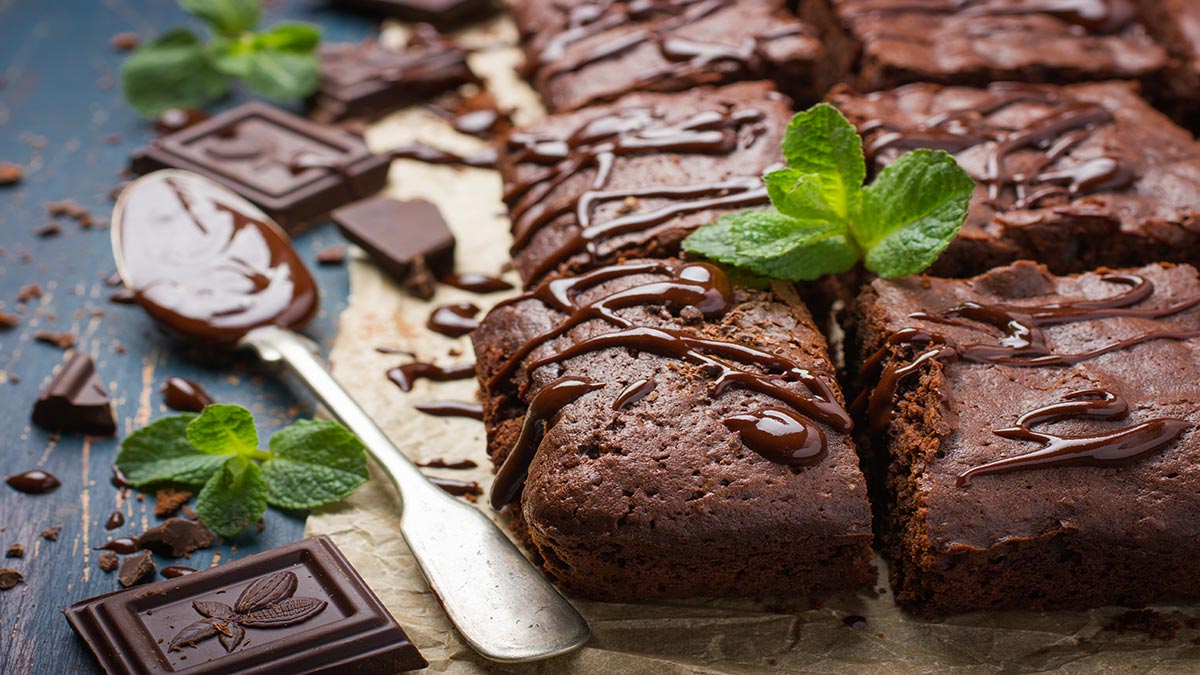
(501, 604)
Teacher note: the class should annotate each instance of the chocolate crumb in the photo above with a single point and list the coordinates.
(113, 139)
(189, 513)
(29, 292)
(124, 42)
(168, 501)
(71, 209)
(136, 568)
(15, 551)
(62, 340)
(48, 230)
(177, 537)
(8, 320)
(108, 561)
(332, 255)
(9, 578)
(51, 533)
(10, 173)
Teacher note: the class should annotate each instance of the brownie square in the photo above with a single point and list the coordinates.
(295, 170)
(1074, 177)
(1033, 438)
(583, 53)
(886, 43)
(624, 399)
(633, 178)
(1176, 24)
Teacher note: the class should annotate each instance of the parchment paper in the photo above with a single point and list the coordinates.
(700, 636)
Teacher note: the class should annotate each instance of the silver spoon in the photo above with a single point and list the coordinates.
(213, 268)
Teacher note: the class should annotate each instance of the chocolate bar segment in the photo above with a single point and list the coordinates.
(296, 608)
(76, 401)
(402, 238)
(295, 170)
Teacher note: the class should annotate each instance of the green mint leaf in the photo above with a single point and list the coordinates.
(781, 247)
(802, 195)
(223, 429)
(282, 75)
(301, 38)
(234, 497)
(313, 462)
(160, 453)
(715, 242)
(228, 17)
(174, 70)
(912, 212)
(821, 142)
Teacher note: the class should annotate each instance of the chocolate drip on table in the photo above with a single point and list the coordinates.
(440, 463)
(176, 571)
(485, 159)
(115, 520)
(466, 409)
(1119, 447)
(1101, 17)
(185, 395)
(454, 320)
(458, 488)
(33, 482)
(476, 283)
(1068, 124)
(122, 545)
(738, 366)
(596, 145)
(405, 376)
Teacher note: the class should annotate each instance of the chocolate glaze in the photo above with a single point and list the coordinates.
(596, 144)
(453, 320)
(175, 571)
(394, 350)
(115, 520)
(476, 283)
(636, 391)
(206, 263)
(1118, 447)
(404, 376)
(452, 409)
(482, 123)
(421, 152)
(1095, 16)
(185, 395)
(457, 488)
(123, 545)
(440, 463)
(34, 482)
(1068, 124)
(696, 285)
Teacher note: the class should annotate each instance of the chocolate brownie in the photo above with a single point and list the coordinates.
(1033, 438)
(1074, 177)
(660, 433)
(635, 177)
(1176, 24)
(582, 53)
(886, 43)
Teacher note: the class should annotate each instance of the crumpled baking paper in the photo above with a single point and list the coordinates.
(694, 636)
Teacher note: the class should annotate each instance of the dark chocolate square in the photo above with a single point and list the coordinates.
(344, 630)
(399, 236)
(297, 171)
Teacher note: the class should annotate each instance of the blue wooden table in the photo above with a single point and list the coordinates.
(62, 117)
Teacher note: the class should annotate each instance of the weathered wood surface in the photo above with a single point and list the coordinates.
(62, 117)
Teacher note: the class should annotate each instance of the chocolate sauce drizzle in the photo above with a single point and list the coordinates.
(185, 395)
(468, 409)
(597, 144)
(406, 375)
(1119, 447)
(122, 545)
(695, 285)
(636, 391)
(474, 282)
(1069, 123)
(33, 482)
(453, 320)
(1103, 17)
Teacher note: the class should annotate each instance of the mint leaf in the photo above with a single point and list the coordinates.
(160, 453)
(224, 430)
(312, 463)
(282, 74)
(228, 17)
(301, 38)
(821, 142)
(781, 247)
(715, 241)
(912, 211)
(802, 195)
(234, 497)
(172, 71)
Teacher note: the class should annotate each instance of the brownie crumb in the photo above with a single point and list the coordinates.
(108, 561)
(71, 209)
(189, 513)
(124, 42)
(48, 230)
(9, 578)
(29, 292)
(177, 537)
(168, 501)
(62, 340)
(332, 255)
(1156, 625)
(15, 551)
(8, 320)
(10, 173)
(51, 533)
(136, 568)
(420, 281)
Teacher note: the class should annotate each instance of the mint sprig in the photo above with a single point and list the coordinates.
(823, 220)
(179, 69)
(311, 463)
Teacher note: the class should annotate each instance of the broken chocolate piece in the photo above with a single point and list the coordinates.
(10, 173)
(15, 551)
(48, 230)
(317, 603)
(136, 568)
(108, 561)
(177, 537)
(51, 533)
(124, 42)
(76, 401)
(168, 501)
(69, 208)
(8, 320)
(29, 292)
(9, 578)
(400, 237)
(62, 340)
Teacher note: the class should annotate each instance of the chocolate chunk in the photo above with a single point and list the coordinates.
(400, 237)
(108, 561)
(168, 501)
(62, 340)
(71, 209)
(51, 533)
(124, 42)
(9, 578)
(76, 401)
(29, 292)
(253, 613)
(10, 173)
(8, 320)
(15, 551)
(136, 568)
(293, 169)
(177, 537)
(48, 230)
(440, 12)
(332, 255)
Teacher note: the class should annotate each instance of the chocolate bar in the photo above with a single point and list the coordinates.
(402, 238)
(76, 401)
(295, 170)
(295, 608)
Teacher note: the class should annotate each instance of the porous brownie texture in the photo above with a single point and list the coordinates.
(887, 43)
(1049, 536)
(1176, 24)
(660, 498)
(1075, 177)
(670, 163)
(582, 53)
